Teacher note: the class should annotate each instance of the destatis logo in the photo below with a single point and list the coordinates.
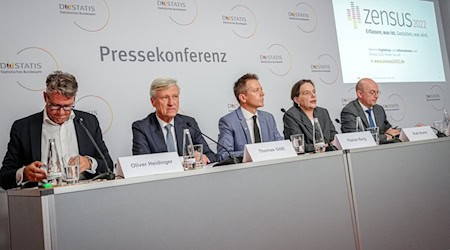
(395, 107)
(304, 17)
(436, 97)
(180, 12)
(29, 67)
(242, 20)
(357, 16)
(327, 69)
(278, 58)
(99, 107)
(90, 17)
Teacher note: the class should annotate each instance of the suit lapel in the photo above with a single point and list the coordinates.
(155, 132)
(264, 127)
(362, 114)
(36, 136)
(179, 127)
(378, 118)
(307, 122)
(244, 125)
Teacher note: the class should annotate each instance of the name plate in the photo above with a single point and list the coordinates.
(417, 134)
(354, 140)
(268, 151)
(149, 164)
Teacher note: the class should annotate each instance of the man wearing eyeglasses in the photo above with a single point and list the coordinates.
(28, 145)
(366, 107)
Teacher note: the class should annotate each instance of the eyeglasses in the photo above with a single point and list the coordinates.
(373, 92)
(55, 107)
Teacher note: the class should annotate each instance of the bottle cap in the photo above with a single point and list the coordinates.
(47, 185)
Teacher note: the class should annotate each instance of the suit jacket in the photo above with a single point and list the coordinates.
(148, 136)
(353, 109)
(24, 146)
(302, 125)
(234, 132)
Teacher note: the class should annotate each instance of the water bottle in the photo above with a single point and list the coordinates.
(359, 125)
(318, 140)
(188, 151)
(54, 173)
(446, 119)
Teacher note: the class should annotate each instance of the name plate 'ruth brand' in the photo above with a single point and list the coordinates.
(149, 164)
(354, 140)
(417, 134)
(268, 151)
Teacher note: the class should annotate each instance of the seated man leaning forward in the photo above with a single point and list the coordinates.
(246, 124)
(162, 130)
(27, 148)
(366, 107)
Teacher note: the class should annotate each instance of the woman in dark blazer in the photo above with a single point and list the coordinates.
(299, 118)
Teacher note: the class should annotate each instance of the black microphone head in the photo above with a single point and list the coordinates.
(283, 110)
(337, 120)
(80, 120)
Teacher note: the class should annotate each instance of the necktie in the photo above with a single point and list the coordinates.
(371, 123)
(256, 130)
(169, 139)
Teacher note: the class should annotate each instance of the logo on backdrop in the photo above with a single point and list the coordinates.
(304, 17)
(382, 17)
(327, 69)
(436, 97)
(99, 107)
(278, 59)
(351, 95)
(242, 20)
(29, 67)
(395, 107)
(232, 106)
(180, 12)
(90, 17)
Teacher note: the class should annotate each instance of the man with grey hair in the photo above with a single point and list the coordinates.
(29, 138)
(162, 130)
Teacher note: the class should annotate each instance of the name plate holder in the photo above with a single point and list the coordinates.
(417, 134)
(354, 140)
(268, 151)
(149, 164)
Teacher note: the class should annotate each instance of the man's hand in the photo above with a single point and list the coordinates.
(391, 133)
(85, 163)
(34, 172)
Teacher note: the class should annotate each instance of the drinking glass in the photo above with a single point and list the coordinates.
(298, 142)
(71, 169)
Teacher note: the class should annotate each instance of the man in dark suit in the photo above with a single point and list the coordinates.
(27, 148)
(162, 130)
(246, 124)
(366, 107)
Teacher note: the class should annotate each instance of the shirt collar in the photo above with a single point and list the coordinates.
(363, 107)
(163, 123)
(48, 121)
(247, 114)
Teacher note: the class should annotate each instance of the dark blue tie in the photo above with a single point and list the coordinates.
(371, 122)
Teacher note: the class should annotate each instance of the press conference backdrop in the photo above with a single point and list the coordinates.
(116, 48)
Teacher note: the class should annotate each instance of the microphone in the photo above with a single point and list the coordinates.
(337, 120)
(231, 159)
(439, 133)
(331, 147)
(108, 175)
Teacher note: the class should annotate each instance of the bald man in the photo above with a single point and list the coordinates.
(366, 107)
